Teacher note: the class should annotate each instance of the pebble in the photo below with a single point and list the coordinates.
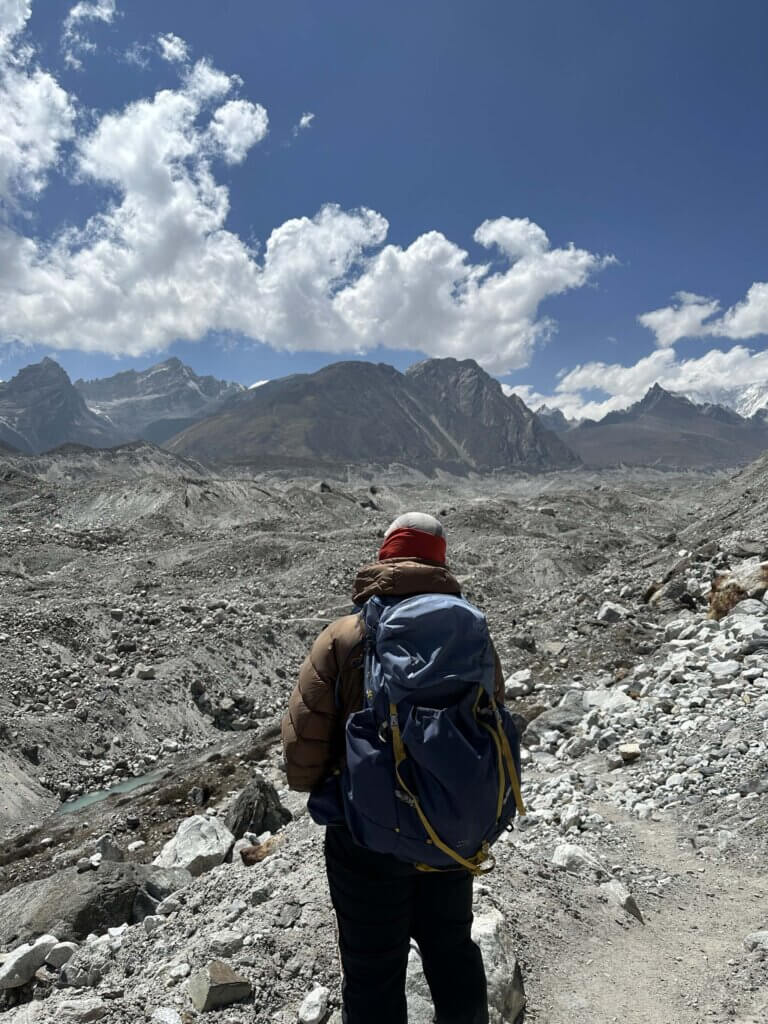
(314, 1006)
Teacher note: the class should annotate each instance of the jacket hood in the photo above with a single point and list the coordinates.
(398, 577)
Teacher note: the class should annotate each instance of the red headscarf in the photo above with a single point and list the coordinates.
(409, 543)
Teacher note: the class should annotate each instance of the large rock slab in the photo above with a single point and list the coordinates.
(20, 966)
(200, 844)
(257, 809)
(71, 905)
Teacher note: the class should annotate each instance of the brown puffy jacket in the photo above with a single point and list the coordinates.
(330, 686)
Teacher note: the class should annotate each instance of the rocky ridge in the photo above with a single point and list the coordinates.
(669, 429)
(440, 415)
(156, 403)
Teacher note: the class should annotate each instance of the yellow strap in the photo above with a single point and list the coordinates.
(502, 776)
(513, 776)
(475, 863)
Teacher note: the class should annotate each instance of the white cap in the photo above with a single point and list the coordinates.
(417, 521)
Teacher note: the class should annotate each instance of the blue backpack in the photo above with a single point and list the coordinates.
(432, 762)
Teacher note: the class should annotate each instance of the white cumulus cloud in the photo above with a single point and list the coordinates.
(36, 114)
(236, 127)
(172, 48)
(14, 15)
(159, 263)
(683, 319)
(691, 316)
(596, 388)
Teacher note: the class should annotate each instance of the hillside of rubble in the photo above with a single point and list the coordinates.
(153, 615)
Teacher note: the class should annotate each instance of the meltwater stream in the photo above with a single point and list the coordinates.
(126, 786)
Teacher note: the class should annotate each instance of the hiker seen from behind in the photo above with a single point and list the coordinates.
(397, 730)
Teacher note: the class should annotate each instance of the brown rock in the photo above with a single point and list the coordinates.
(217, 985)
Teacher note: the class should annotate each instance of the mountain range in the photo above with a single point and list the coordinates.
(440, 413)
(665, 429)
(157, 403)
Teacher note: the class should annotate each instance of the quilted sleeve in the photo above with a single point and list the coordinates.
(310, 722)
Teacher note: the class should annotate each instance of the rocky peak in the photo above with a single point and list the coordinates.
(45, 374)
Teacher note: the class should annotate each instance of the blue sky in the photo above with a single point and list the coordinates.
(634, 132)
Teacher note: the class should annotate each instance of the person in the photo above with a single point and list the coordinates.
(381, 903)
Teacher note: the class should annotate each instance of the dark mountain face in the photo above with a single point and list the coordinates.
(158, 402)
(670, 430)
(492, 428)
(440, 414)
(40, 409)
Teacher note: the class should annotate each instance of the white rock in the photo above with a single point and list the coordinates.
(506, 994)
(571, 817)
(723, 669)
(21, 963)
(108, 848)
(199, 844)
(612, 612)
(519, 684)
(314, 1007)
(756, 940)
(620, 896)
(574, 858)
(165, 1015)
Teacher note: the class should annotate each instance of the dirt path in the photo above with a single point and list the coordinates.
(686, 965)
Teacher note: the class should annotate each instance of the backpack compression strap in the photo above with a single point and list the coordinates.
(473, 864)
(513, 777)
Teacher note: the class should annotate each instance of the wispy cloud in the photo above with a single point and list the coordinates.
(74, 40)
(172, 48)
(304, 122)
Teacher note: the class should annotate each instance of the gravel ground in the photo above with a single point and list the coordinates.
(153, 617)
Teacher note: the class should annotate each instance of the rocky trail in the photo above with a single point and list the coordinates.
(152, 622)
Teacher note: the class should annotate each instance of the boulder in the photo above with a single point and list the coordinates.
(217, 985)
(519, 684)
(612, 612)
(620, 896)
(60, 953)
(108, 848)
(72, 905)
(506, 995)
(257, 809)
(81, 1010)
(20, 965)
(573, 858)
(200, 844)
(562, 719)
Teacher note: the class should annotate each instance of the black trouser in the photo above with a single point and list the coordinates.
(380, 903)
